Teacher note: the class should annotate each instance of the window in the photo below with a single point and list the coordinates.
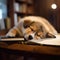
(0, 14)
(3, 13)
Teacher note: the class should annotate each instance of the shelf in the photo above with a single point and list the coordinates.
(19, 8)
(22, 13)
(21, 1)
(24, 2)
(23, 9)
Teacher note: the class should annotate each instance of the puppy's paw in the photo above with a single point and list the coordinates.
(11, 33)
(49, 35)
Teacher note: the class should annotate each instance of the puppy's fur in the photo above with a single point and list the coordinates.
(33, 27)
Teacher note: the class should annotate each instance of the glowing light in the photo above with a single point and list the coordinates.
(53, 6)
(0, 13)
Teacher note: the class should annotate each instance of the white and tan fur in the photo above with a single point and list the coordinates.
(19, 28)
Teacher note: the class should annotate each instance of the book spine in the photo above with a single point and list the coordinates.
(15, 19)
(2, 24)
(30, 10)
(16, 7)
(7, 23)
(24, 6)
(20, 8)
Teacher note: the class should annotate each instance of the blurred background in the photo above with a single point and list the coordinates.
(11, 11)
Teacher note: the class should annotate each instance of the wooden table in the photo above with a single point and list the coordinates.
(27, 50)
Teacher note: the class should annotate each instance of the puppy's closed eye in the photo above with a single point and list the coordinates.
(26, 26)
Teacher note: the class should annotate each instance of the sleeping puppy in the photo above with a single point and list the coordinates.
(33, 27)
(35, 30)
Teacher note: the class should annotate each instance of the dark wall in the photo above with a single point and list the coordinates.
(43, 8)
(40, 8)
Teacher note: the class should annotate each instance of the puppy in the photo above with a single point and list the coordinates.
(33, 27)
(35, 30)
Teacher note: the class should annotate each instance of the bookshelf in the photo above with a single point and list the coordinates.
(16, 10)
(19, 9)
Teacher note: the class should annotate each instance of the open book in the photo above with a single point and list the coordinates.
(47, 41)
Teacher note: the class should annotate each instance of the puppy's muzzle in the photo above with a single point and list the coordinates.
(30, 37)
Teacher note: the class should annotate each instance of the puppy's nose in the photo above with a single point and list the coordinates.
(30, 37)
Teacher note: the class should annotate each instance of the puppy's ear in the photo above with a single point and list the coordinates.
(26, 23)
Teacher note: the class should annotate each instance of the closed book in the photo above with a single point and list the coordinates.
(24, 6)
(30, 10)
(15, 19)
(16, 7)
(20, 7)
(7, 23)
(2, 24)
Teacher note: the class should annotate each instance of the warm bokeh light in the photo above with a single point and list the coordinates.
(53, 6)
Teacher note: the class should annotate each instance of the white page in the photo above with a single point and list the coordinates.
(48, 41)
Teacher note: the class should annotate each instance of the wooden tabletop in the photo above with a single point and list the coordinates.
(43, 49)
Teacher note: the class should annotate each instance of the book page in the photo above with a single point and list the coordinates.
(48, 41)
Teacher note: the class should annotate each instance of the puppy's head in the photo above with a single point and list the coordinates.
(31, 28)
(27, 30)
